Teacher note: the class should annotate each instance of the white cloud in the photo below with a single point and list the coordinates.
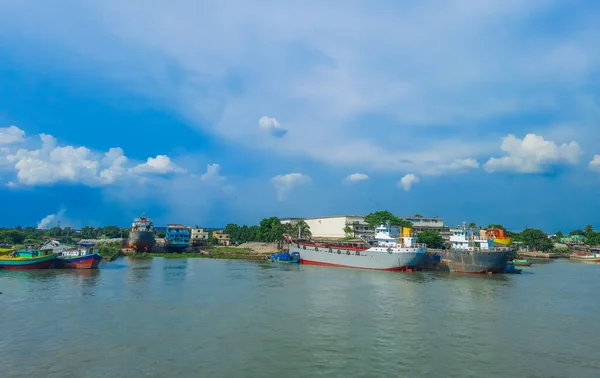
(532, 154)
(408, 181)
(272, 126)
(51, 220)
(52, 163)
(464, 64)
(11, 135)
(161, 164)
(285, 183)
(595, 163)
(355, 177)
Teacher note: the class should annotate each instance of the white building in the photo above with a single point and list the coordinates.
(333, 227)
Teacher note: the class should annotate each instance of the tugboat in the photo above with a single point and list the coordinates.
(26, 259)
(473, 252)
(79, 258)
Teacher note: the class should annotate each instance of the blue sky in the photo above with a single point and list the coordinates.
(210, 112)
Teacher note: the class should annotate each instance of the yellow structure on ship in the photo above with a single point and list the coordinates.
(498, 236)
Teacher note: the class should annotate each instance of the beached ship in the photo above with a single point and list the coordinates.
(472, 252)
(593, 255)
(83, 257)
(141, 235)
(499, 237)
(177, 238)
(389, 250)
(26, 259)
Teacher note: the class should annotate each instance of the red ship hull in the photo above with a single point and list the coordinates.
(83, 262)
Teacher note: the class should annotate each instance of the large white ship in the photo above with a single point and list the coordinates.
(385, 252)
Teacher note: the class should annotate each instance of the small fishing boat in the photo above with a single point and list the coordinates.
(285, 257)
(510, 268)
(522, 262)
(26, 259)
(587, 257)
(79, 258)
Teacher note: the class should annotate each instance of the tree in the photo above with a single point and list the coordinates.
(300, 228)
(536, 239)
(432, 238)
(559, 235)
(382, 217)
(111, 232)
(472, 225)
(349, 231)
(576, 232)
(271, 230)
(161, 234)
(496, 225)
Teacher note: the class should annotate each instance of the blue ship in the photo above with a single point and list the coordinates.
(177, 238)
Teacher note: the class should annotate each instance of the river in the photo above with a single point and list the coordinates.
(216, 318)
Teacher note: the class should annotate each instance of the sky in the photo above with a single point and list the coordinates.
(214, 112)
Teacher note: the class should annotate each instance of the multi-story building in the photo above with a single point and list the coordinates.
(421, 223)
(221, 237)
(198, 236)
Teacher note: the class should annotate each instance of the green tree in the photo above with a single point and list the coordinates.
(576, 232)
(111, 232)
(432, 238)
(12, 236)
(496, 225)
(349, 231)
(559, 235)
(161, 234)
(381, 217)
(88, 233)
(536, 239)
(300, 228)
(472, 225)
(271, 230)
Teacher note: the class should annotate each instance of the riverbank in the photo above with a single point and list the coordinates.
(231, 253)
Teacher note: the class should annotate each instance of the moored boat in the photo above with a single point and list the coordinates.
(592, 256)
(79, 258)
(510, 268)
(285, 257)
(499, 238)
(27, 259)
(387, 251)
(141, 235)
(473, 252)
(521, 262)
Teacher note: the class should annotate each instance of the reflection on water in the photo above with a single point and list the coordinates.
(204, 317)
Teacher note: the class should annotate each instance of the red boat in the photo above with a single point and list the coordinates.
(78, 258)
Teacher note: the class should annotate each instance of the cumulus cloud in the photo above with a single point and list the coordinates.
(272, 126)
(11, 135)
(355, 177)
(533, 154)
(285, 183)
(51, 220)
(595, 163)
(161, 164)
(52, 163)
(408, 181)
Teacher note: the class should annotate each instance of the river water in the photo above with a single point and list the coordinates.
(216, 318)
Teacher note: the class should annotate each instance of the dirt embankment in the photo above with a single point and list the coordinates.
(260, 248)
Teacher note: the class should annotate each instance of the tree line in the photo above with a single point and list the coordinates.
(33, 235)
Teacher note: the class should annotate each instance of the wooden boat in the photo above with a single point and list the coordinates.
(27, 259)
(588, 257)
(521, 262)
(285, 258)
(78, 258)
